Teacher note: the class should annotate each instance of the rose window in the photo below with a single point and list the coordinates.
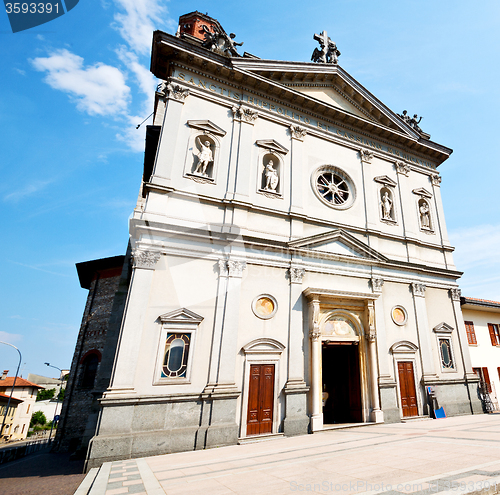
(333, 187)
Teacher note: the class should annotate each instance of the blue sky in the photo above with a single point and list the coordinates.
(74, 89)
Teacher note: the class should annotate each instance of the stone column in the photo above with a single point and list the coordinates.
(176, 96)
(424, 334)
(244, 167)
(407, 201)
(296, 420)
(471, 379)
(124, 372)
(316, 389)
(376, 413)
(371, 213)
(219, 319)
(229, 335)
(297, 134)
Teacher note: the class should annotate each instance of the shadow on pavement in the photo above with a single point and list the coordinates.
(41, 474)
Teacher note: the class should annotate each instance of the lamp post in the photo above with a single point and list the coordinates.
(13, 385)
(57, 401)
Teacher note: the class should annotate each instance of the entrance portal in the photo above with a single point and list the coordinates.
(341, 381)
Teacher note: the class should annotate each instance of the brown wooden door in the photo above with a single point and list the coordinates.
(260, 399)
(407, 389)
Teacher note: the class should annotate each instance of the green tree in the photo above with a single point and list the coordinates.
(45, 394)
(38, 418)
(60, 396)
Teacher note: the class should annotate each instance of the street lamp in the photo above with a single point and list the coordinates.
(57, 402)
(13, 385)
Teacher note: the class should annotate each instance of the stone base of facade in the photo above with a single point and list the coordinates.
(296, 419)
(389, 404)
(154, 426)
(458, 398)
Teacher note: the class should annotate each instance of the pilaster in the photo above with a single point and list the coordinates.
(424, 333)
(124, 372)
(297, 135)
(175, 96)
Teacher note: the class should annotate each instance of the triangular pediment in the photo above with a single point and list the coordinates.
(272, 145)
(334, 96)
(336, 242)
(387, 181)
(329, 84)
(422, 192)
(181, 315)
(207, 126)
(443, 328)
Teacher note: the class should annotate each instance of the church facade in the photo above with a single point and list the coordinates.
(291, 268)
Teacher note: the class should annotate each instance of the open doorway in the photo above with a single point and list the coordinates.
(341, 383)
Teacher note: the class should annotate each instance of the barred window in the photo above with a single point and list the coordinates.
(446, 354)
(176, 355)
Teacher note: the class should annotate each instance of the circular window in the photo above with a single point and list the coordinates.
(399, 315)
(334, 187)
(264, 306)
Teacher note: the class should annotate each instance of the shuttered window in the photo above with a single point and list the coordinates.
(471, 334)
(494, 333)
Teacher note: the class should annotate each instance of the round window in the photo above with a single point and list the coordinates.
(334, 187)
(264, 306)
(399, 315)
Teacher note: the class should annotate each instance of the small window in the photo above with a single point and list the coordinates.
(494, 333)
(447, 360)
(446, 355)
(471, 334)
(176, 355)
(90, 365)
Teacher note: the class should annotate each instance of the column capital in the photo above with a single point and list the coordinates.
(377, 283)
(366, 155)
(455, 294)
(244, 114)
(297, 132)
(418, 289)
(296, 275)
(436, 180)
(402, 168)
(145, 259)
(174, 91)
(236, 268)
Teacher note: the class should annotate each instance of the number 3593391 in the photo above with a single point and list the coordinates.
(31, 8)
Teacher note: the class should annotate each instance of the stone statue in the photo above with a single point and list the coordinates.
(271, 177)
(204, 157)
(328, 52)
(219, 42)
(386, 206)
(425, 218)
(411, 121)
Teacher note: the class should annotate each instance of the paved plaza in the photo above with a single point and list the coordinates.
(455, 455)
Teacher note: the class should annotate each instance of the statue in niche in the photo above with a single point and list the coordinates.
(425, 217)
(204, 155)
(272, 178)
(328, 52)
(386, 206)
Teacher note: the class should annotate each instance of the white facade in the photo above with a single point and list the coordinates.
(483, 320)
(326, 294)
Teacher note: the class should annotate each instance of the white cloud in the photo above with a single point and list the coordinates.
(26, 190)
(98, 90)
(20, 71)
(10, 337)
(140, 19)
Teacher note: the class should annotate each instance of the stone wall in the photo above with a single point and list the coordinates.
(107, 281)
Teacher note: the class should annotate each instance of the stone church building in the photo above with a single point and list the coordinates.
(289, 268)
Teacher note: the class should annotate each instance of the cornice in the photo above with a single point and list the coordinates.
(168, 49)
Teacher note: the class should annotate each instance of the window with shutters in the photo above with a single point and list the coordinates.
(484, 379)
(471, 334)
(494, 333)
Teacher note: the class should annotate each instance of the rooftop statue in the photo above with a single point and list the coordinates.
(411, 121)
(328, 52)
(219, 42)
